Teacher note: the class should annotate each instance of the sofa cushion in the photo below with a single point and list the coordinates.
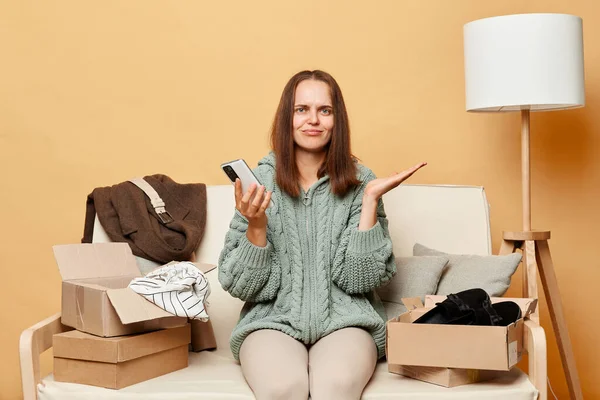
(467, 271)
(210, 376)
(512, 385)
(415, 277)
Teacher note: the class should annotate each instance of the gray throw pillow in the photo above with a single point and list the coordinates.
(415, 277)
(490, 273)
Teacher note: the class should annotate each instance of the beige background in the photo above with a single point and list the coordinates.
(93, 94)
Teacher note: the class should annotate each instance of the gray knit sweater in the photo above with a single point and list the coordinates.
(317, 272)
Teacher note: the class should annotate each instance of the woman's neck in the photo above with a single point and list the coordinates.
(308, 166)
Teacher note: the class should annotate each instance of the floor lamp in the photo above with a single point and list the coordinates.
(525, 63)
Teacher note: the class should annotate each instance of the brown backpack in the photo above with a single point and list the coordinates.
(161, 220)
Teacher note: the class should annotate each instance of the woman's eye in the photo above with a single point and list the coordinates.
(300, 109)
(326, 111)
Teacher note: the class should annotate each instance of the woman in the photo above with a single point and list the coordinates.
(307, 266)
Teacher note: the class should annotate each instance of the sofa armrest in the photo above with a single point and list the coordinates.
(535, 343)
(33, 342)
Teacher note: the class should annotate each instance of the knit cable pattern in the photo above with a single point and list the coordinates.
(343, 265)
(247, 271)
(363, 260)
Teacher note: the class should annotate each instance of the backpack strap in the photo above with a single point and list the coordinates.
(155, 200)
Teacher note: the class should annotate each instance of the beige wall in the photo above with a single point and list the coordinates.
(91, 95)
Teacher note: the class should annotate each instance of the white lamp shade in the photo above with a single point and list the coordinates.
(524, 61)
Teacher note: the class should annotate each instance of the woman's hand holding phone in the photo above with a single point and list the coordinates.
(252, 206)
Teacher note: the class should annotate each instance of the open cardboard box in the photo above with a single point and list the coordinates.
(117, 362)
(95, 296)
(452, 347)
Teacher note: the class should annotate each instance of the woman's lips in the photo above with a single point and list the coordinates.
(312, 132)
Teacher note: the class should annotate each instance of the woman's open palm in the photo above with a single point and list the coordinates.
(378, 187)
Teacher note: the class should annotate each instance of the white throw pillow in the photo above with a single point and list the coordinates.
(464, 271)
(415, 277)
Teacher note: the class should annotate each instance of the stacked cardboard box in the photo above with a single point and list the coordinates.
(452, 355)
(120, 361)
(120, 338)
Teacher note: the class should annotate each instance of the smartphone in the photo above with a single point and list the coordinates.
(239, 169)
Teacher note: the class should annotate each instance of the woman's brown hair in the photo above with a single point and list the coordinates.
(339, 162)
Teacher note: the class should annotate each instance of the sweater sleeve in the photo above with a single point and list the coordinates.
(364, 259)
(246, 271)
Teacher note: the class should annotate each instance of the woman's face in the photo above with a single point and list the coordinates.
(313, 116)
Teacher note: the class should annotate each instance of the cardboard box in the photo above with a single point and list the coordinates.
(95, 296)
(118, 362)
(496, 348)
(447, 377)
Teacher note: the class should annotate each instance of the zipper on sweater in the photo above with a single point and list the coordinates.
(306, 199)
(308, 282)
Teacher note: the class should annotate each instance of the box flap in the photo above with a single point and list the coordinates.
(531, 307)
(95, 260)
(527, 305)
(205, 268)
(412, 303)
(131, 307)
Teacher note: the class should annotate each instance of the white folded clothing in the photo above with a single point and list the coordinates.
(178, 288)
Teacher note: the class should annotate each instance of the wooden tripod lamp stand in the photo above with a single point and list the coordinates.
(529, 62)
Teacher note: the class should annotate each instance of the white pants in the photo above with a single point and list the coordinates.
(338, 366)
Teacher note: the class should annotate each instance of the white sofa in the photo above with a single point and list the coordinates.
(454, 219)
